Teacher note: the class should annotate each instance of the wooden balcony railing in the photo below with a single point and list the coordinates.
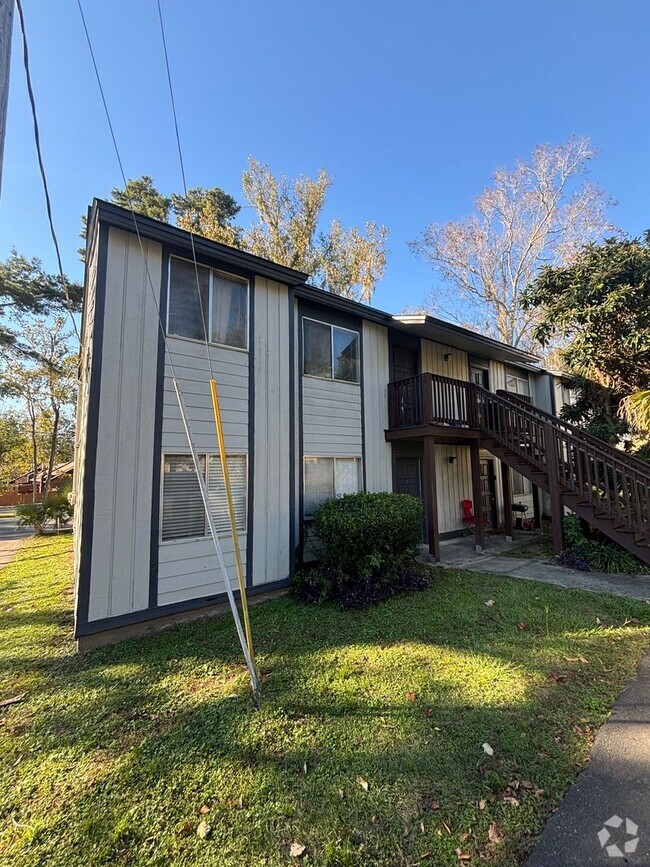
(430, 399)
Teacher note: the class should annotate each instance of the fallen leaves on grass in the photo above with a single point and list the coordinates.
(204, 809)
(488, 749)
(463, 857)
(363, 783)
(410, 696)
(14, 700)
(204, 830)
(297, 850)
(489, 603)
(495, 832)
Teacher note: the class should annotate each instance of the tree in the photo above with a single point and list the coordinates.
(542, 212)
(347, 262)
(42, 386)
(25, 288)
(209, 213)
(344, 261)
(140, 195)
(599, 305)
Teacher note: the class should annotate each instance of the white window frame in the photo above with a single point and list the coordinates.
(520, 377)
(335, 458)
(331, 378)
(212, 269)
(207, 534)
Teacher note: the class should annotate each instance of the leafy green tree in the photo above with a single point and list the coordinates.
(41, 384)
(286, 230)
(26, 288)
(599, 306)
(141, 195)
(209, 213)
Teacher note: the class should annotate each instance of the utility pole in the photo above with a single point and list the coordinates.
(6, 26)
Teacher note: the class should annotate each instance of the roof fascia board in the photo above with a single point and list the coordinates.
(165, 233)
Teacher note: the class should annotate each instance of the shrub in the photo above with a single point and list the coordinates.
(55, 508)
(369, 542)
(595, 551)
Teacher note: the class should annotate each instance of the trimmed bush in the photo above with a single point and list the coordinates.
(369, 543)
(56, 508)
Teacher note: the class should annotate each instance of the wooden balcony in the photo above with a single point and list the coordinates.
(432, 404)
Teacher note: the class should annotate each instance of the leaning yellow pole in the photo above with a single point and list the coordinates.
(231, 513)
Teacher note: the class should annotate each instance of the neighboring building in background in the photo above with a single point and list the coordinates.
(320, 396)
(61, 475)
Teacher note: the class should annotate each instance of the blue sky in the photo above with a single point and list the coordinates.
(410, 106)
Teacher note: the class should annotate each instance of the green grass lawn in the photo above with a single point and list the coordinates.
(367, 751)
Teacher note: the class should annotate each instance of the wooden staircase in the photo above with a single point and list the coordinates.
(606, 487)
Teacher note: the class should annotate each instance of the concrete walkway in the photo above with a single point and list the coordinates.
(608, 807)
(461, 554)
(10, 539)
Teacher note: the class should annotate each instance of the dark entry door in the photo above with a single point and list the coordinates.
(488, 494)
(405, 362)
(408, 478)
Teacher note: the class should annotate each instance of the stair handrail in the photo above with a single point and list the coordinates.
(580, 433)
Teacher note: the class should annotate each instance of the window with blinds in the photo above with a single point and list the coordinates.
(183, 515)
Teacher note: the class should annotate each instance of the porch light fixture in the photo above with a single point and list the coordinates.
(452, 459)
(447, 356)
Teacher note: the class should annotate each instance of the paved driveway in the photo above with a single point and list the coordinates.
(10, 539)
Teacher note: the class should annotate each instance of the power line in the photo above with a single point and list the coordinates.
(181, 403)
(41, 166)
(182, 164)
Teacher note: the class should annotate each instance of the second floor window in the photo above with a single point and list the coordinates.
(517, 382)
(330, 352)
(219, 299)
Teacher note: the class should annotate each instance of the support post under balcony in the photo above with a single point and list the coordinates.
(431, 497)
(553, 472)
(537, 508)
(507, 500)
(479, 527)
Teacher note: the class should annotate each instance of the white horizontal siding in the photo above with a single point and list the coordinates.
(190, 363)
(331, 413)
(188, 568)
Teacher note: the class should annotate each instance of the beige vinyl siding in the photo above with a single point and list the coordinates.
(81, 434)
(230, 368)
(188, 569)
(433, 360)
(125, 434)
(379, 475)
(331, 414)
(453, 484)
(497, 375)
(271, 506)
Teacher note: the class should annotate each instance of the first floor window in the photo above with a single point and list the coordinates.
(183, 513)
(199, 295)
(330, 352)
(325, 478)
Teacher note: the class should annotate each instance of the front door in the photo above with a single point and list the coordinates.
(408, 477)
(488, 494)
(405, 362)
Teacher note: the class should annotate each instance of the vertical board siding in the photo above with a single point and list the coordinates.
(497, 375)
(433, 360)
(331, 418)
(453, 484)
(188, 569)
(379, 476)
(81, 433)
(123, 484)
(271, 476)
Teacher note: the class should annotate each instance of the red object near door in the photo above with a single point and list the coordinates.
(468, 512)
